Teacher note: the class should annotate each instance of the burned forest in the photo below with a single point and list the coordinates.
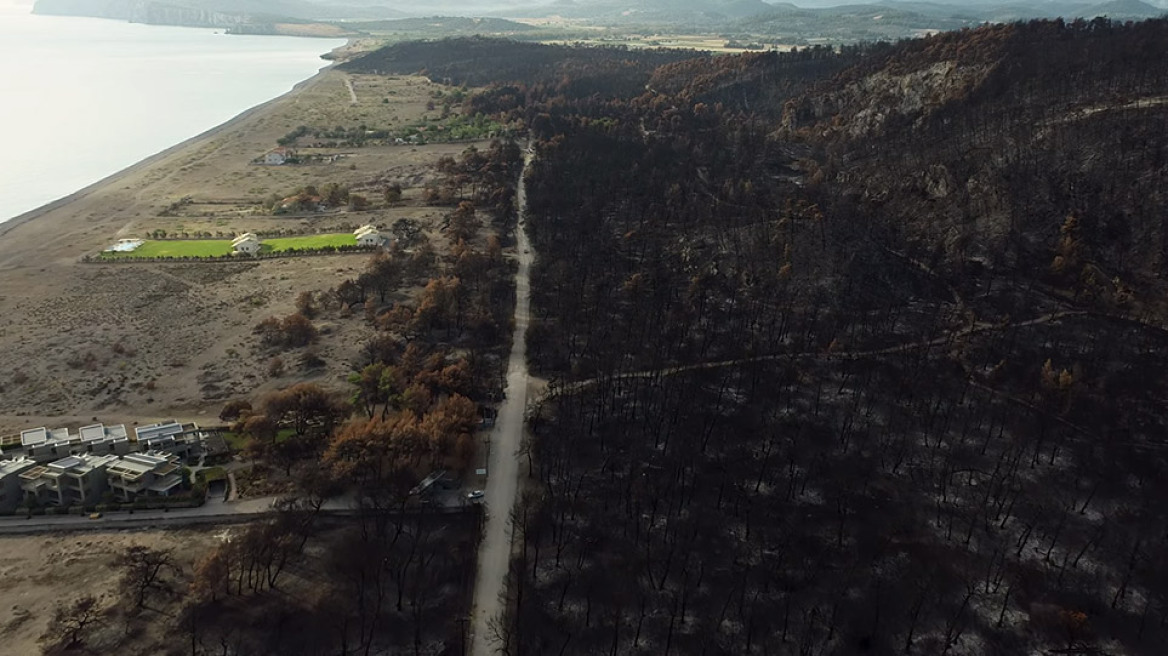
(845, 350)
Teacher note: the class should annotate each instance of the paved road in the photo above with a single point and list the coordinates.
(215, 511)
(503, 465)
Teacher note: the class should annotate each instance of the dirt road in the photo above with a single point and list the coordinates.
(503, 464)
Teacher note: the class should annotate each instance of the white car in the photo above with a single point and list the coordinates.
(476, 494)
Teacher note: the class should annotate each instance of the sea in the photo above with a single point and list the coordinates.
(83, 98)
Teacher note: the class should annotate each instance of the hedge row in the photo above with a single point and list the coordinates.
(153, 503)
(262, 234)
(292, 252)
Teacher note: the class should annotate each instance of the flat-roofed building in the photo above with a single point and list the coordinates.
(71, 481)
(171, 437)
(11, 495)
(45, 445)
(144, 474)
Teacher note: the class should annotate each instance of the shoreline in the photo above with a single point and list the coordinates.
(36, 213)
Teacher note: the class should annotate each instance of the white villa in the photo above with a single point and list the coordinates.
(152, 473)
(277, 156)
(247, 243)
(70, 481)
(369, 235)
(56, 467)
(10, 493)
(43, 444)
(48, 444)
(171, 437)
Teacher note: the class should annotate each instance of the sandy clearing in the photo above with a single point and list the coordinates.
(38, 571)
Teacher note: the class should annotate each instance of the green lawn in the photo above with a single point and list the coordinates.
(234, 440)
(178, 248)
(211, 475)
(309, 241)
(216, 247)
(237, 442)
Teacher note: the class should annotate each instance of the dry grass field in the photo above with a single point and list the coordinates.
(138, 341)
(40, 571)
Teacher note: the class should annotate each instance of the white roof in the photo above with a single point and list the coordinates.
(145, 460)
(160, 431)
(366, 229)
(15, 466)
(68, 462)
(43, 436)
(34, 436)
(96, 432)
(83, 463)
(247, 236)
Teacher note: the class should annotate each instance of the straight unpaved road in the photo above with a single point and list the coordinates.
(503, 464)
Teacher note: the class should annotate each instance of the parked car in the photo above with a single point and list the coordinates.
(476, 494)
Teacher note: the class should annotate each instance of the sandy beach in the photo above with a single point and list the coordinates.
(144, 341)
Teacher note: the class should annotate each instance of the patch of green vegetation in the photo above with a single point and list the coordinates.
(177, 248)
(210, 475)
(236, 441)
(309, 241)
(220, 247)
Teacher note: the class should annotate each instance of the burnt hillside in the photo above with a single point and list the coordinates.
(978, 146)
(856, 351)
(479, 61)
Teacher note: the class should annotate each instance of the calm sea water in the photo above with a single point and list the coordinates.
(83, 98)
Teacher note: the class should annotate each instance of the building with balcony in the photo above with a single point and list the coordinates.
(11, 496)
(144, 474)
(71, 481)
(45, 445)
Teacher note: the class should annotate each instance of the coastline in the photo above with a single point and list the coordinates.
(248, 114)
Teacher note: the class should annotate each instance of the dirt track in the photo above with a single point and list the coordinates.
(503, 467)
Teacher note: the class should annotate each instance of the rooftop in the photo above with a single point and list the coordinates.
(100, 431)
(79, 464)
(159, 431)
(8, 467)
(34, 436)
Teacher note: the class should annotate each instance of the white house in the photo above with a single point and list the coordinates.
(70, 481)
(10, 492)
(183, 440)
(151, 473)
(247, 243)
(277, 157)
(44, 444)
(368, 235)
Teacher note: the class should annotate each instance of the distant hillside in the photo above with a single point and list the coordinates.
(1124, 9)
(477, 61)
(984, 112)
(445, 26)
(210, 13)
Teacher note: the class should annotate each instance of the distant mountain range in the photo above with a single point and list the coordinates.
(817, 18)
